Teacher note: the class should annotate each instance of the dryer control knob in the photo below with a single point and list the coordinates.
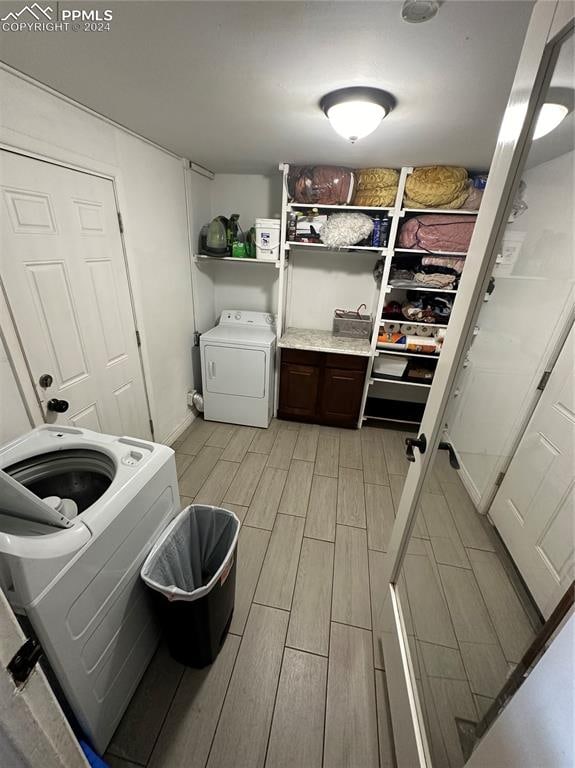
(238, 316)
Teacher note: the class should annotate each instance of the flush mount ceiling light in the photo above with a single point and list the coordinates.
(549, 118)
(416, 11)
(356, 112)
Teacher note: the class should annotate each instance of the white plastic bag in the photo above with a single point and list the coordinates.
(192, 553)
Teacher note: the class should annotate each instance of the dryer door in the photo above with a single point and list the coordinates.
(235, 371)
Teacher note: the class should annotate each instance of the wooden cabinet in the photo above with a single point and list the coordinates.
(320, 387)
(340, 397)
(299, 386)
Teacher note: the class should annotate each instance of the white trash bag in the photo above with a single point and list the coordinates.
(192, 553)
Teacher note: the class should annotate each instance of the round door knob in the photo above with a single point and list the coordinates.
(59, 406)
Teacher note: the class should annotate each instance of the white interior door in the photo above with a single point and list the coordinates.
(534, 509)
(66, 283)
(518, 123)
(33, 730)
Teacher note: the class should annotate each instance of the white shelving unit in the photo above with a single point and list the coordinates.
(321, 246)
(419, 288)
(420, 252)
(396, 214)
(460, 211)
(383, 380)
(412, 322)
(334, 208)
(424, 355)
(201, 258)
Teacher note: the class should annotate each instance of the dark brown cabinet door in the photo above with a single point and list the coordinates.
(340, 396)
(298, 391)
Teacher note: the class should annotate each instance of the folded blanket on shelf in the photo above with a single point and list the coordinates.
(376, 187)
(401, 274)
(459, 202)
(436, 186)
(321, 184)
(455, 263)
(434, 280)
(437, 232)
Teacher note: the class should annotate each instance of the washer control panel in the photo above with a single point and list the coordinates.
(246, 317)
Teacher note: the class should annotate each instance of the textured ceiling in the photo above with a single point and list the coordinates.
(235, 85)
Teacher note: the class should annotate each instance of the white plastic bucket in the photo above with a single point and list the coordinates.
(268, 239)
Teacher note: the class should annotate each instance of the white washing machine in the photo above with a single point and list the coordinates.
(238, 368)
(78, 580)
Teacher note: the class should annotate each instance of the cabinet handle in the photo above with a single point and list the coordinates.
(300, 373)
(342, 378)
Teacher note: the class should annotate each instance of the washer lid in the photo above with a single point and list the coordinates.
(18, 501)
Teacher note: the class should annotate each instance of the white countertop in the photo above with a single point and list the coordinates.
(323, 341)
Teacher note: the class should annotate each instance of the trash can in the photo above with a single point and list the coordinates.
(192, 572)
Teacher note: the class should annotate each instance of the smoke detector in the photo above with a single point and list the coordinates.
(416, 11)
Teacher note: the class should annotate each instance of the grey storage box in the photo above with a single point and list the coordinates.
(352, 325)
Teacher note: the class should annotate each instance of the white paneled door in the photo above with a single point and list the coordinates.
(64, 274)
(534, 509)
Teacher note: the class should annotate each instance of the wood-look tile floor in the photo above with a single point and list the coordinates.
(300, 680)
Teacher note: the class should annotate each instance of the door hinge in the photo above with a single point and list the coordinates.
(544, 379)
(138, 339)
(120, 223)
(499, 479)
(22, 664)
(152, 427)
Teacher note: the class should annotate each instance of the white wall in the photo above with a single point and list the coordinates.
(200, 211)
(536, 728)
(156, 228)
(517, 327)
(324, 281)
(248, 286)
(252, 196)
(150, 184)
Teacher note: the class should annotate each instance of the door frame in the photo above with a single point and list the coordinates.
(13, 343)
(534, 69)
(34, 730)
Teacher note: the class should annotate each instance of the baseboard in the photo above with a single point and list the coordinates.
(465, 477)
(181, 428)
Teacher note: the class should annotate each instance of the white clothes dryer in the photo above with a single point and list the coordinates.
(78, 580)
(238, 368)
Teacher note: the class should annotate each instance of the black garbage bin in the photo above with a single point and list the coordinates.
(192, 573)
